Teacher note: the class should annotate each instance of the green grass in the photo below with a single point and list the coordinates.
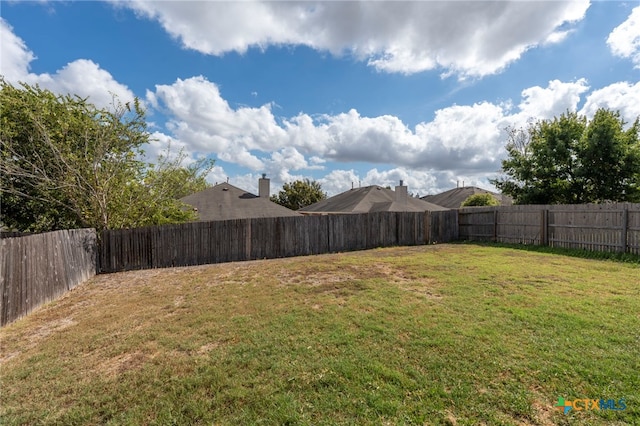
(450, 334)
(585, 254)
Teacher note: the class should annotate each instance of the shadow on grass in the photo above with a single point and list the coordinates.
(581, 253)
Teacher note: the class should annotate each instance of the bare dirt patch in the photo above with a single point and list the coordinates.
(205, 349)
(49, 328)
(36, 335)
(114, 367)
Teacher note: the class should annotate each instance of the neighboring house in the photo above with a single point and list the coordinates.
(453, 198)
(371, 199)
(225, 201)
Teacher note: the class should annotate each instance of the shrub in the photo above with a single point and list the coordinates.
(480, 200)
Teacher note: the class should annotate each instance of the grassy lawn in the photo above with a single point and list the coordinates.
(450, 334)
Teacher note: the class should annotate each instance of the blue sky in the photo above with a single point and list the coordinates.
(341, 92)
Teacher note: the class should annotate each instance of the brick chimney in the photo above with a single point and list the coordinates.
(263, 186)
(401, 194)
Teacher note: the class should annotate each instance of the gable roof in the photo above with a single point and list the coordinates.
(369, 199)
(225, 201)
(453, 198)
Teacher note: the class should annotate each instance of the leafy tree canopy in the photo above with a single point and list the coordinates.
(299, 194)
(570, 160)
(480, 200)
(64, 163)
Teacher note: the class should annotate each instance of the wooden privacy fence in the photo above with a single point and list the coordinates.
(597, 227)
(266, 238)
(39, 268)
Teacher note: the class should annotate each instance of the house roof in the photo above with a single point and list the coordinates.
(453, 198)
(369, 199)
(225, 201)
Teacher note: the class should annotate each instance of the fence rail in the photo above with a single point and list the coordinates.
(597, 227)
(39, 268)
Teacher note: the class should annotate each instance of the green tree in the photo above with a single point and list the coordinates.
(65, 163)
(610, 159)
(299, 194)
(480, 200)
(570, 160)
(168, 181)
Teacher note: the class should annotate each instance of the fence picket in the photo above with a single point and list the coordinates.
(597, 227)
(259, 238)
(38, 268)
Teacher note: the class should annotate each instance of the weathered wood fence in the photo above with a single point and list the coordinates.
(246, 239)
(39, 268)
(596, 227)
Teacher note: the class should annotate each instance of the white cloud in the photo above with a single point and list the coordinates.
(242, 157)
(288, 158)
(338, 181)
(351, 137)
(624, 40)
(462, 137)
(557, 37)
(203, 118)
(622, 96)
(219, 175)
(84, 78)
(462, 142)
(81, 77)
(412, 179)
(15, 56)
(555, 99)
(466, 38)
(164, 145)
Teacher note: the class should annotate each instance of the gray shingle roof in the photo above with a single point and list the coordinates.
(225, 201)
(454, 197)
(369, 199)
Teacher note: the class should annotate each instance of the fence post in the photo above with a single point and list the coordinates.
(625, 225)
(427, 227)
(495, 225)
(247, 239)
(456, 228)
(329, 237)
(544, 227)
